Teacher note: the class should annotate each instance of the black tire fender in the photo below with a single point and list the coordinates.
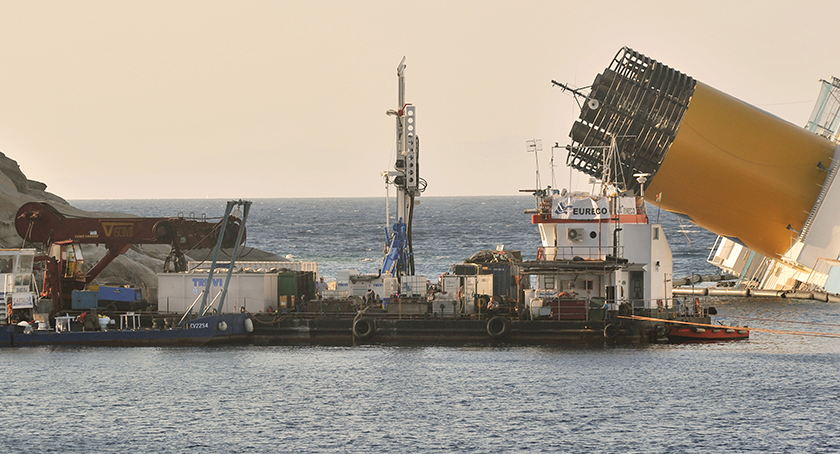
(498, 327)
(364, 328)
(611, 331)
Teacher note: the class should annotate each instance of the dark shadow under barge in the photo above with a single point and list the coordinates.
(348, 330)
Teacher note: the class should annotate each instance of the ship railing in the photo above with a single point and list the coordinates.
(660, 307)
(586, 252)
(713, 257)
(599, 308)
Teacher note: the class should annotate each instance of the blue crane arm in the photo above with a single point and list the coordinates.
(396, 256)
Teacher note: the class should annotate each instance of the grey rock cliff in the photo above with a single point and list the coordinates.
(15, 190)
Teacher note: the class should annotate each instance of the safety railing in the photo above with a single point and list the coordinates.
(585, 252)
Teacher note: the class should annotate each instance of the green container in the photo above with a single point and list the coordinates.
(300, 284)
(287, 283)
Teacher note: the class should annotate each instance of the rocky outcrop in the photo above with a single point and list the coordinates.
(138, 267)
(15, 190)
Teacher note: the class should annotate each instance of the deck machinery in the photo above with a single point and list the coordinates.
(399, 256)
(62, 234)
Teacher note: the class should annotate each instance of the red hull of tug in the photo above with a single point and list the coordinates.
(693, 333)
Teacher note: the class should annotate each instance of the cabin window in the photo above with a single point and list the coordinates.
(656, 233)
(589, 285)
(549, 282)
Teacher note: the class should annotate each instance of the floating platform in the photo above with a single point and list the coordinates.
(214, 329)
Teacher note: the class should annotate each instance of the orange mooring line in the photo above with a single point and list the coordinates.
(781, 321)
(757, 330)
(680, 322)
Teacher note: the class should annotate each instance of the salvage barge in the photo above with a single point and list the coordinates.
(602, 274)
(33, 320)
(601, 263)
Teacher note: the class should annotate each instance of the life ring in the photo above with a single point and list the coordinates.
(611, 331)
(498, 327)
(540, 254)
(364, 328)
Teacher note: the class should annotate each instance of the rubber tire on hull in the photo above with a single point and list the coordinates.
(498, 327)
(364, 328)
(611, 331)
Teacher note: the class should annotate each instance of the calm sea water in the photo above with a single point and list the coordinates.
(345, 233)
(772, 393)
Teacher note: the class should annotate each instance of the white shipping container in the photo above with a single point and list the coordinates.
(481, 284)
(361, 287)
(449, 285)
(343, 282)
(265, 266)
(358, 288)
(484, 285)
(256, 292)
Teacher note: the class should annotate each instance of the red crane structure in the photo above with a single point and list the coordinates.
(63, 234)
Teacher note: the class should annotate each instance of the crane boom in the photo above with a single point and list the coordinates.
(39, 222)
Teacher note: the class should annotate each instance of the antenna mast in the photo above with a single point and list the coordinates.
(535, 146)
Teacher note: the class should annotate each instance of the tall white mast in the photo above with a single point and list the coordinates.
(406, 178)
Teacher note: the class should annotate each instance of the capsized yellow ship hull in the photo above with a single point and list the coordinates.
(734, 169)
(741, 172)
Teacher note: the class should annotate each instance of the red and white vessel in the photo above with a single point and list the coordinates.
(694, 333)
(600, 249)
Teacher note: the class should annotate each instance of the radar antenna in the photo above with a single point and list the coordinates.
(535, 146)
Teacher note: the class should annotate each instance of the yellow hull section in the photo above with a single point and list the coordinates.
(741, 172)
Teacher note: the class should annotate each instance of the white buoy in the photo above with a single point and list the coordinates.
(249, 325)
(222, 325)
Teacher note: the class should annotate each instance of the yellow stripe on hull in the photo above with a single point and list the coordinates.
(741, 172)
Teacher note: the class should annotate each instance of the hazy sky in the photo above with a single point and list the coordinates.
(253, 99)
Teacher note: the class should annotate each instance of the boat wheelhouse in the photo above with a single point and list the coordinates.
(598, 251)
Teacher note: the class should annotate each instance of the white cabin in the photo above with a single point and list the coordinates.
(601, 248)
